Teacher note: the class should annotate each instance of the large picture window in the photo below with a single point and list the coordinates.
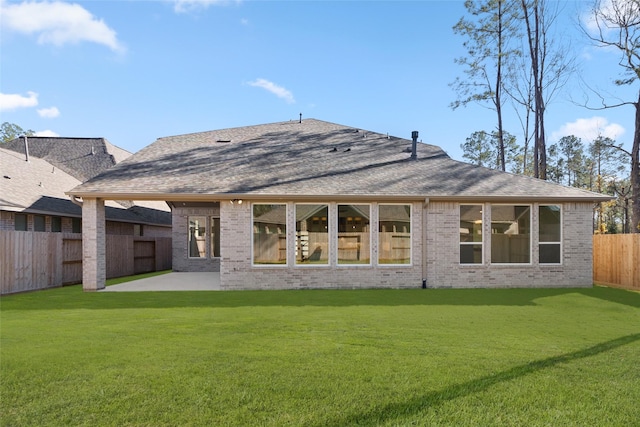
(269, 234)
(312, 234)
(394, 234)
(354, 234)
(550, 234)
(471, 238)
(197, 236)
(510, 234)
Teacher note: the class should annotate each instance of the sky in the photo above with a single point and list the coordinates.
(135, 71)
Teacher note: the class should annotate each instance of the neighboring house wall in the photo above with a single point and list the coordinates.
(7, 222)
(181, 259)
(238, 271)
(443, 252)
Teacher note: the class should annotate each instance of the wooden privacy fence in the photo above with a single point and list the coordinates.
(616, 260)
(35, 260)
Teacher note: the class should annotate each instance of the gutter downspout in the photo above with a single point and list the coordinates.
(76, 200)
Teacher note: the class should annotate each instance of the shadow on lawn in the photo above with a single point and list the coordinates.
(405, 410)
(72, 297)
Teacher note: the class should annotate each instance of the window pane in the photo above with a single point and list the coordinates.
(312, 234)
(39, 223)
(197, 236)
(470, 254)
(549, 223)
(215, 237)
(510, 234)
(550, 253)
(394, 234)
(76, 225)
(20, 222)
(269, 234)
(470, 223)
(56, 224)
(354, 234)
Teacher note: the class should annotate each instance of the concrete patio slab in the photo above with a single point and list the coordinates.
(170, 282)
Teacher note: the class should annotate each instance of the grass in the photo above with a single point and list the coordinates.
(513, 357)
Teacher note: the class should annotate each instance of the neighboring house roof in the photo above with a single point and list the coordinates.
(38, 187)
(82, 158)
(309, 159)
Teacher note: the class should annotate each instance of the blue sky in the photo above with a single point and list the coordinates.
(134, 71)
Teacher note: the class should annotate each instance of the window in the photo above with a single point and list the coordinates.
(394, 234)
(312, 234)
(76, 225)
(197, 236)
(20, 222)
(550, 234)
(510, 234)
(215, 237)
(269, 234)
(354, 235)
(56, 224)
(471, 240)
(39, 223)
(138, 230)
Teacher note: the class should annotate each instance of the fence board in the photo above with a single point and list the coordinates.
(616, 260)
(38, 260)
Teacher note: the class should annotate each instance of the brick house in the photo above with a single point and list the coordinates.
(312, 204)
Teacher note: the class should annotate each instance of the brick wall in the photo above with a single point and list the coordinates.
(180, 235)
(443, 252)
(237, 271)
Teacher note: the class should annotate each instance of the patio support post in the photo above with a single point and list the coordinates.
(93, 245)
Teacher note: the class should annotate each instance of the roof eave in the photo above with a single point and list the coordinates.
(184, 197)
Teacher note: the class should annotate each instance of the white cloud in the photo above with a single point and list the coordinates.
(49, 113)
(589, 129)
(13, 101)
(184, 6)
(46, 133)
(278, 91)
(58, 23)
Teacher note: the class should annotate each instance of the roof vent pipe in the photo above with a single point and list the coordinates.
(300, 118)
(414, 144)
(26, 148)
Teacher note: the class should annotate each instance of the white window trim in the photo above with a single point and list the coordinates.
(483, 209)
(286, 215)
(377, 231)
(561, 242)
(531, 235)
(370, 264)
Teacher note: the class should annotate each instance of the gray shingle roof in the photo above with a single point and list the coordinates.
(309, 159)
(38, 186)
(82, 158)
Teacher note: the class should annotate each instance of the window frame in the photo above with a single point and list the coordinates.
(39, 223)
(286, 235)
(481, 243)
(21, 222)
(329, 235)
(531, 231)
(410, 232)
(56, 224)
(559, 243)
(337, 236)
(206, 252)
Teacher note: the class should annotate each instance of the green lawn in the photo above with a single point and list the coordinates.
(514, 357)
